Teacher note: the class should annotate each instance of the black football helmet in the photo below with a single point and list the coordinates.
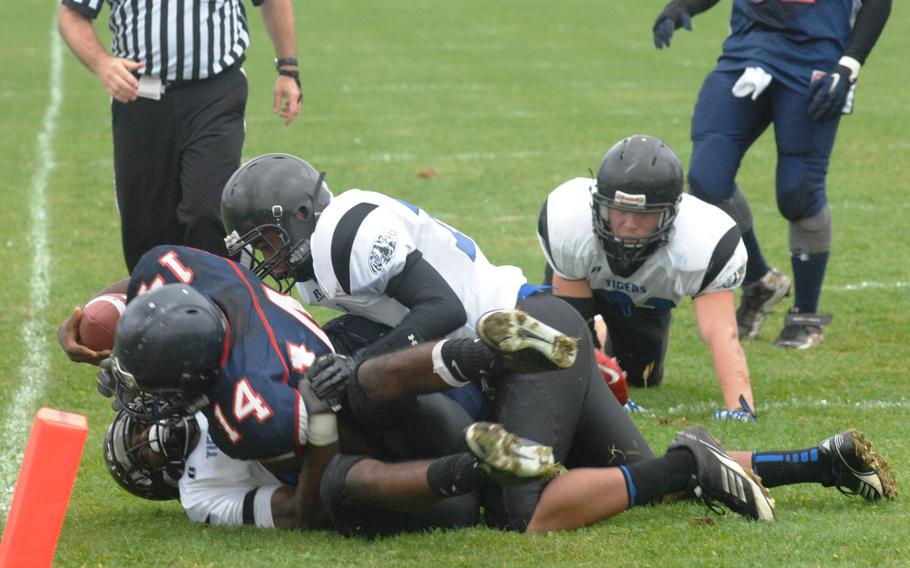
(125, 451)
(641, 174)
(279, 193)
(168, 350)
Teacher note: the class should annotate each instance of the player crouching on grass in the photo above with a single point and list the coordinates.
(630, 246)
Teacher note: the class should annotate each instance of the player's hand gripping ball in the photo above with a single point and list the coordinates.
(99, 321)
(613, 375)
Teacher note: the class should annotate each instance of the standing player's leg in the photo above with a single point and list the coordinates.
(803, 151)
(723, 129)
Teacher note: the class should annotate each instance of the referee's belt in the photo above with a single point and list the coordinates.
(173, 84)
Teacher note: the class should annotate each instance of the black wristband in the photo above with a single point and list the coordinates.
(287, 61)
(295, 75)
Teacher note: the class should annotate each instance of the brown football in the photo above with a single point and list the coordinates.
(99, 321)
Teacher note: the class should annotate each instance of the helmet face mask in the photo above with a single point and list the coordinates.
(147, 405)
(272, 198)
(147, 459)
(169, 347)
(638, 175)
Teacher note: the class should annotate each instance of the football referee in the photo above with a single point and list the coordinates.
(178, 101)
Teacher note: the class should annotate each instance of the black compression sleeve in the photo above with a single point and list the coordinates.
(435, 309)
(870, 20)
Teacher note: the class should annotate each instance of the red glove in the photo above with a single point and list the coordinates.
(613, 375)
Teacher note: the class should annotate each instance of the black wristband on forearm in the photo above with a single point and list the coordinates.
(295, 75)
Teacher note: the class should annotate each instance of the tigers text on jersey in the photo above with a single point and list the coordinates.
(214, 487)
(701, 257)
(789, 39)
(255, 408)
(362, 241)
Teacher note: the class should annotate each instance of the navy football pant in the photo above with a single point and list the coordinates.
(724, 127)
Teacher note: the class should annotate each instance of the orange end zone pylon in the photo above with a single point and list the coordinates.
(43, 490)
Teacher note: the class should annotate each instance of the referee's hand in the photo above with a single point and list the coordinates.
(287, 98)
(116, 74)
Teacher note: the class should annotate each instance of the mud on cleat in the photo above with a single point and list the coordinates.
(526, 344)
(720, 478)
(508, 459)
(757, 300)
(857, 469)
(802, 331)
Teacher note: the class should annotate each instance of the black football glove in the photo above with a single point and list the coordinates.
(329, 377)
(828, 95)
(672, 18)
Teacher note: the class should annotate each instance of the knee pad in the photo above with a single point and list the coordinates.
(812, 234)
(799, 189)
(738, 208)
(332, 492)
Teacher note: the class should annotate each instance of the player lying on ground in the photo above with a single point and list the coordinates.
(357, 507)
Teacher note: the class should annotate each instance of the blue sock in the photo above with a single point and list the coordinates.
(756, 267)
(808, 274)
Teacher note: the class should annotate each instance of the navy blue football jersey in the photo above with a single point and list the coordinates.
(255, 410)
(791, 39)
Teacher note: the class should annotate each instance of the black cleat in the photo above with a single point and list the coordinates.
(526, 345)
(802, 331)
(857, 469)
(720, 478)
(757, 299)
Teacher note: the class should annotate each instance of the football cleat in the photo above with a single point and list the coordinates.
(720, 478)
(757, 299)
(743, 413)
(509, 459)
(802, 331)
(526, 345)
(857, 469)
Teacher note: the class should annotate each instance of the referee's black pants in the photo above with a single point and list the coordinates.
(172, 158)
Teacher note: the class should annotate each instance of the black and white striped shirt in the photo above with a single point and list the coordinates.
(176, 39)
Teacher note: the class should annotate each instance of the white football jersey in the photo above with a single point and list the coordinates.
(213, 486)
(362, 241)
(697, 251)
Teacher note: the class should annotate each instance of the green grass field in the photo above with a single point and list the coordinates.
(504, 100)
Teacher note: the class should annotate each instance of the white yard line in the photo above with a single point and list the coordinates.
(33, 373)
(864, 285)
(702, 407)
